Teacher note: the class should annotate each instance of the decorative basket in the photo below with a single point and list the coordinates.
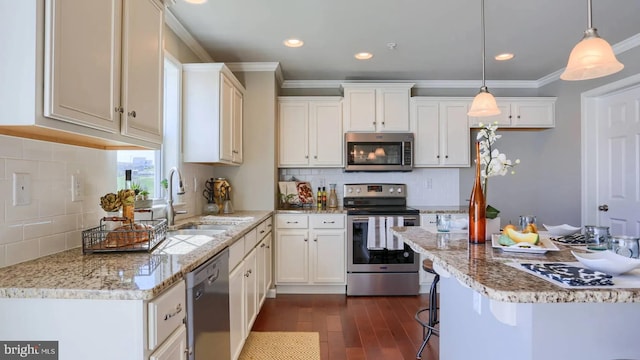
(119, 234)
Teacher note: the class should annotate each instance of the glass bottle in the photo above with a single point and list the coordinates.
(333, 197)
(319, 198)
(128, 208)
(324, 198)
(477, 207)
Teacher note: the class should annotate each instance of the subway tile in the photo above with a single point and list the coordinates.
(52, 170)
(66, 153)
(22, 251)
(11, 232)
(52, 244)
(37, 150)
(21, 212)
(2, 169)
(73, 239)
(74, 207)
(64, 223)
(21, 166)
(3, 255)
(37, 229)
(10, 147)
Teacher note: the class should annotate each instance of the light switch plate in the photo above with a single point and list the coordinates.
(77, 187)
(21, 189)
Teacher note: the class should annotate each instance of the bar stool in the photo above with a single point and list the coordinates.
(428, 327)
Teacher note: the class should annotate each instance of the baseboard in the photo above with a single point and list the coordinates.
(311, 289)
(271, 293)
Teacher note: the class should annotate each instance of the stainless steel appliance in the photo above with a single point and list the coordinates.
(208, 309)
(379, 263)
(378, 151)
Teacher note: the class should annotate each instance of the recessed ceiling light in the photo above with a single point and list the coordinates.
(293, 43)
(198, 2)
(504, 56)
(363, 56)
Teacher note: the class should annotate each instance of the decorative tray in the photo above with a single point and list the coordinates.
(544, 245)
(118, 234)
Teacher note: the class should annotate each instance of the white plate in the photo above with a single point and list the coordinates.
(561, 230)
(607, 261)
(544, 245)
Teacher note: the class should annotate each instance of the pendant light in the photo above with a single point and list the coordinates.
(592, 57)
(484, 104)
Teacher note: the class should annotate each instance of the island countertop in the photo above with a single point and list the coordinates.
(123, 275)
(484, 270)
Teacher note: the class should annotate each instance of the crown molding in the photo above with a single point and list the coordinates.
(627, 44)
(258, 66)
(174, 24)
(423, 84)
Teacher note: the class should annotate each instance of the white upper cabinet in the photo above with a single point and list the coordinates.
(90, 63)
(212, 114)
(310, 132)
(441, 132)
(535, 112)
(370, 107)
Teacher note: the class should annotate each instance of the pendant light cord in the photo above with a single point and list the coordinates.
(483, 44)
(589, 16)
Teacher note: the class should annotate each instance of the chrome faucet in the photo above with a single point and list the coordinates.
(171, 212)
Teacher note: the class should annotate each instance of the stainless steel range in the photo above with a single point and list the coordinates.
(379, 263)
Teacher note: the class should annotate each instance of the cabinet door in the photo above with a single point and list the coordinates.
(226, 118)
(454, 133)
(237, 126)
(142, 67)
(293, 130)
(268, 264)
(328, 256)
(360, 109)
(250, 290)
(260, 270)
(174, 348)
(425, 125)
(535, 113)
(292, 259)
(392, 110)
(325, 135)
(82, 62)
(236, 310)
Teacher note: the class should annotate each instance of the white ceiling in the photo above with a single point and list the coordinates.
(436, 40)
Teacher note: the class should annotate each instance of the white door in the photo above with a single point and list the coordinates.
(618, 162)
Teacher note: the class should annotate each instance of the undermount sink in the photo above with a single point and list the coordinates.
(193, 231)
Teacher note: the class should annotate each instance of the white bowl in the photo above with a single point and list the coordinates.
(561, 230)
(608, 262)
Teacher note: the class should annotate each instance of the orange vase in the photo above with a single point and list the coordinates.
(477, 207)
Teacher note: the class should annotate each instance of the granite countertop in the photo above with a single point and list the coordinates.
(123, 276)
(442, 209)
(312, 210)
(484, 270)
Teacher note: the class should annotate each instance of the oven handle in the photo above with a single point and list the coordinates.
(366, 219)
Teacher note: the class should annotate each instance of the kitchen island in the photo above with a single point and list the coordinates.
(491, 310)
(104, 305)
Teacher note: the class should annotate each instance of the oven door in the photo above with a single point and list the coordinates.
(364, 258)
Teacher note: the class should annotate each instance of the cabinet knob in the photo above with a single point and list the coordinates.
(306, 156)
(119, 109)
(437, 156)
(446, 156)
(305, 239)
(604, 208)
(315, 239)
(315, 156)
(510, 116)
(518, 116)
(235, 151)
(383, 123)
(132, 113)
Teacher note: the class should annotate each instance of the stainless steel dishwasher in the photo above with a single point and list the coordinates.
(208, 309)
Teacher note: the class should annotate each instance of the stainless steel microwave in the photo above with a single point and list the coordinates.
(378, 151)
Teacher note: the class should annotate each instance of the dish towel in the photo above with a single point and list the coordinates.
(393, 243)
(570, 275)
(372, 238)
(382, 241)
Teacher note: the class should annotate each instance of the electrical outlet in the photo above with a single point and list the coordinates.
(21, 189)
(77, 187)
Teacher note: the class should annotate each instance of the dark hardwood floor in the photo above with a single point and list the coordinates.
(352, 328)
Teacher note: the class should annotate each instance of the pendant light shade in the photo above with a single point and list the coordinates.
(592, 57)
(484, 104)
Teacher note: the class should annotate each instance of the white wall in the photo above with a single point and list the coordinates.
(51, 222)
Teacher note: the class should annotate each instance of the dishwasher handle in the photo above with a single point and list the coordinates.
(212, 278)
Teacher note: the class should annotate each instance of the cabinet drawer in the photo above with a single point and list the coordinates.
(264, 228)
(236, 253)
(250, 240)
(166, 313)
(327, 221)
(292, 221)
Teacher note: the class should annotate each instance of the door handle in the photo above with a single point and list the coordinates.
(604, 208)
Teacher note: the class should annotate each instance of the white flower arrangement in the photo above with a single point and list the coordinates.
(492, 161)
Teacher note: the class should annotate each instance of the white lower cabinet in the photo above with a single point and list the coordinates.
(174, 348)
(249, 279)
(310, 250)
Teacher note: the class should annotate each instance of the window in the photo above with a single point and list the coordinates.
(149, 167)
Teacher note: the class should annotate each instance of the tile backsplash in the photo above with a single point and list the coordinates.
(425, 187)
(51, 222)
